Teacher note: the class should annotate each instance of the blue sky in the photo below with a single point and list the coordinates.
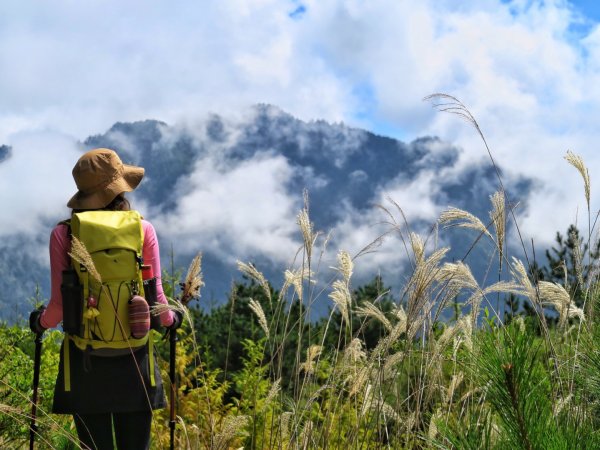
(590, 8)
(528, 70)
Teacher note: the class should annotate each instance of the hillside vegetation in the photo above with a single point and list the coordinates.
(446, 363)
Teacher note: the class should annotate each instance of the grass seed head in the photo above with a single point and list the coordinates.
(369, 310)
(498, 216)
(193, 281)
(256, 307)
(464, 219)
(80, 254)
(577, 162)
(233, 427)
(251, 271)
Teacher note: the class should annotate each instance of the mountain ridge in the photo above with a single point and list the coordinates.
(193, 172)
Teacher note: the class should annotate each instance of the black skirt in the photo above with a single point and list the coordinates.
(103, 384)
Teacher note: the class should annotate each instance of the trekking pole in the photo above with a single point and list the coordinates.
(36, 382)
(172, 348)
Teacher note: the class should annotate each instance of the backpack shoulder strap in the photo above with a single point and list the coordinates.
(67, 222)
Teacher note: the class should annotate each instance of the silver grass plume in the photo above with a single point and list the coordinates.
(312, 353)
(520, 322)
(341, 298)
(354, 353)
(284, 424)
(432, 430)
(498, 216)
(353, 366)
(459, 275)
(273, 392)
(305, 435)
(549, 294)
(593, 275)
(80, 254)
(358, 380)
(410, 421)
(193, 281)
(578, 258)
(233, 427)
(296, 278)
(368, 397)
(390, 366)
(251, 271)
(451, 334)
(466, 334)
(577, 162)
(460, 218)
(379, 405)
(309, 236)
(400, 327)
(557, 296)
(369, 310)
(345, 265)
(475, 299)
(399, 313)
(454, 384)
(418, 246)
(560, 404)
(256, 307)
(442, 342)
(174, 305)
(525, 285)
(340, 295)
(425, 274)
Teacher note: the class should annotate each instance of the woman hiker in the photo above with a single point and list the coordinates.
(104, 391)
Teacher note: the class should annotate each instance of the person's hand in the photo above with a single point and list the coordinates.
(34, 320)
(177, 319)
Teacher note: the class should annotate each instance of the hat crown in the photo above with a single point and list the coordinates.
(96, 169)
(100, 176)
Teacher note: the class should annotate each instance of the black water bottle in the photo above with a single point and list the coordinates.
(72, 302)
(151, 295)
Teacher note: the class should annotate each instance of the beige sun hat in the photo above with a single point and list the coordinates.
(100, 176)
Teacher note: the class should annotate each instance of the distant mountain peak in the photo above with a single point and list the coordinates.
(196, 171)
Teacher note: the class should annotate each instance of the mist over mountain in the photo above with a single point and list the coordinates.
(231, 187)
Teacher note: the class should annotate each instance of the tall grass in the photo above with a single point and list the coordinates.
(480, 380)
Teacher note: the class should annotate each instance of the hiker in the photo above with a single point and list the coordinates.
(104, 388)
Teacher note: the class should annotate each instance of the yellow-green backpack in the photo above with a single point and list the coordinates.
(114, 240)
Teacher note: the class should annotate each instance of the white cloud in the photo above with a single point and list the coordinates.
(36, 182)
(235, 212)
(75, 68)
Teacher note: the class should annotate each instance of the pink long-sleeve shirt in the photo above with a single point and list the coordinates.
(60, 245)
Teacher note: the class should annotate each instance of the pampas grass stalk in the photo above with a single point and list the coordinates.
(498, 216)
(193, 281)
(577, 162)
(464, 219)
(256, 307)
(80, 254)
(251, 271)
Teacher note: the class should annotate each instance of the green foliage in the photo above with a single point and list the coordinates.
(518, 404)
(257, 373)
(225, 329)
(16, 377)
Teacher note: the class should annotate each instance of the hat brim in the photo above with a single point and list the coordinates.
(127, 182)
